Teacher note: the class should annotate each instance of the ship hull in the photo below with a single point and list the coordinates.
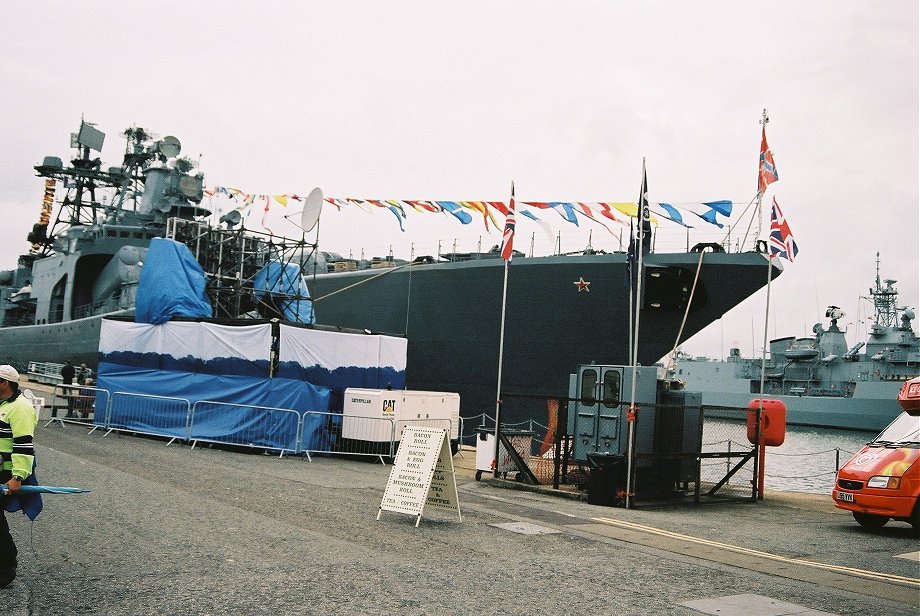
(77, 341)
(451, 314)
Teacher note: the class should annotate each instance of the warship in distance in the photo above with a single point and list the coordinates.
(562, 310)
(823, 381)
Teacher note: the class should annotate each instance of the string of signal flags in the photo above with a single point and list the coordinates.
(608, 214)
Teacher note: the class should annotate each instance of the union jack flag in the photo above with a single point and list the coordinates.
(508, 234)
(766, 172)
(781, 241)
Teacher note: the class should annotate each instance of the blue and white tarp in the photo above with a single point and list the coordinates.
(340, 360)
(205, 348)
(171, 284)
(199, 361)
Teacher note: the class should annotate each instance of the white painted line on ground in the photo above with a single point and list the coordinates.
(887, 577)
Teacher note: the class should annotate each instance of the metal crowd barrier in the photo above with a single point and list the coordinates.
(148, 414)
(79, 404)
(264, 427)
(277, 429)
(328, 433)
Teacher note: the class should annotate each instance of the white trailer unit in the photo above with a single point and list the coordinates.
(372, 414)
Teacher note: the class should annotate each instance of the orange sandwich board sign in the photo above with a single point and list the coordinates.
(422, 475)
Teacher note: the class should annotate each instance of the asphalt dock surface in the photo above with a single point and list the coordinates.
(176, 530)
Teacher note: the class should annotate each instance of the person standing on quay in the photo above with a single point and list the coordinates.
(82, 374)
(17, 453)
(67, 374)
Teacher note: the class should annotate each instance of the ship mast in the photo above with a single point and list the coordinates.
(884, 298)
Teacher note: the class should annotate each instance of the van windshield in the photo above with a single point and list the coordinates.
(903, 432)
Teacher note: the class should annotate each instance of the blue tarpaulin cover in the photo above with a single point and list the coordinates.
(285, 281)
(171, 284)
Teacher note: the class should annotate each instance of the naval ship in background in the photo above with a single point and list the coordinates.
(562, 310)
(823, 381)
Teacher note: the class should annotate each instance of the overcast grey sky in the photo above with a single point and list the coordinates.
(434, 100)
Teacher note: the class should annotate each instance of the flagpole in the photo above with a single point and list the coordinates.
(630, 273)
(631, 413)
(501, 350)
(760, 193)
(763, 121)
(507, 251)
(766, 322)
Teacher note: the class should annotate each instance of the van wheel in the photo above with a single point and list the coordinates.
(868, 520)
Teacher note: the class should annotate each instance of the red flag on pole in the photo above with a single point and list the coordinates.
(766, 173)
(508, 234)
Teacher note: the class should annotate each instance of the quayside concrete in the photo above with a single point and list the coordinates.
(171, 530)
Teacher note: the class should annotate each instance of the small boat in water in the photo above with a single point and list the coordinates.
(822, 380)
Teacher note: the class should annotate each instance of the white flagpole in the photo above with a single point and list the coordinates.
(501, 350)
(501, 346)
(763, 355)
(631, 416)
(766, 321)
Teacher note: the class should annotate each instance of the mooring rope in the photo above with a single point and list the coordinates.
(683, 321)
(360, 282)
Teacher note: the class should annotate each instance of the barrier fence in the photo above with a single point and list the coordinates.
(310, 433)
(255, 426)
(724, 444)
(77, 404)
(279, 430)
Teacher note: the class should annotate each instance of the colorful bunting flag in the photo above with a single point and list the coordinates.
(570, 211)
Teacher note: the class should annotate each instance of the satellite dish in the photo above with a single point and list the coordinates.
(170, 147)
(231, 218)
(312, 206)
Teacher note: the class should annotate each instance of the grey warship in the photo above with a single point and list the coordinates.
(563, 310)
(822, 380)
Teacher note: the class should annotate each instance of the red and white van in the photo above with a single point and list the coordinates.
(882, 481)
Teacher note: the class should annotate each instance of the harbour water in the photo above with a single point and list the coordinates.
(807, 460)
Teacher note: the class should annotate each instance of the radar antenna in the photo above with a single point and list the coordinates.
(884, 298)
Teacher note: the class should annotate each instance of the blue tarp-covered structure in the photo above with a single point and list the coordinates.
(171, 284)
(205, 361)
(285, 286)
(199, 361)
